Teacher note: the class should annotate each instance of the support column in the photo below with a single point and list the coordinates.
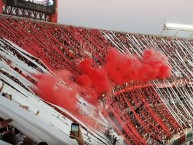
(1, 6)
(54, 17)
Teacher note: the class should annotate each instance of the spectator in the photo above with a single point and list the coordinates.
(28, 141)
(2, 87)
(9, 96)
(115, 140)
(19, 136)
(9, 137)
(37, 113)
(24, 107)
(5, 123)
(6, 95)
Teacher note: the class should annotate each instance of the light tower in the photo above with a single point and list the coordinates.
(178, 28)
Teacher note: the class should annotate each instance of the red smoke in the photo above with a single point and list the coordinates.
(120, 69)
(93, 78)
(52, 91)
(158, 64)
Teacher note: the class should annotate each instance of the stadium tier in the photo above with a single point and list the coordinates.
(157, 111)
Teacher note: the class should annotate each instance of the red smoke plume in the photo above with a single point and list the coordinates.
(93, 78)
(120, 69)
(52, 91)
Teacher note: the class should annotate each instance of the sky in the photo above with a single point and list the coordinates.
(135, 16)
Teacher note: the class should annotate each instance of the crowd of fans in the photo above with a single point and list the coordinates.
(14, 79)
(178, 50)
(90, 121)
(179, 53)
(6, 47)
(179, 99)
(144, 109)
(69, 43)
(64, 44)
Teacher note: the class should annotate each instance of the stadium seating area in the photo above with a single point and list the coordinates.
(16, 68)
(178, 50)
(148, 114)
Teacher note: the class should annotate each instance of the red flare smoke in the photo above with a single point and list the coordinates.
(93, 78)
(50, 90)
(121, 69)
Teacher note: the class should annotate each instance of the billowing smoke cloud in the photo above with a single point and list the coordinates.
(120, 69)
(95, 78)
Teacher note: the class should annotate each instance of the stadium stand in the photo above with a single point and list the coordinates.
(156, 112)
(17, 92)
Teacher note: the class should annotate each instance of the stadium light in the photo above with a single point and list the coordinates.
(179, 27)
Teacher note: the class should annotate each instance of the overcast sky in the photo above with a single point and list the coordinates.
(138, 16)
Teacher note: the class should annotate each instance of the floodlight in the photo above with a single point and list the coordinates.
(179, 27)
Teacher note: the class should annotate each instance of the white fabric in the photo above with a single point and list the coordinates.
(31, 125)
